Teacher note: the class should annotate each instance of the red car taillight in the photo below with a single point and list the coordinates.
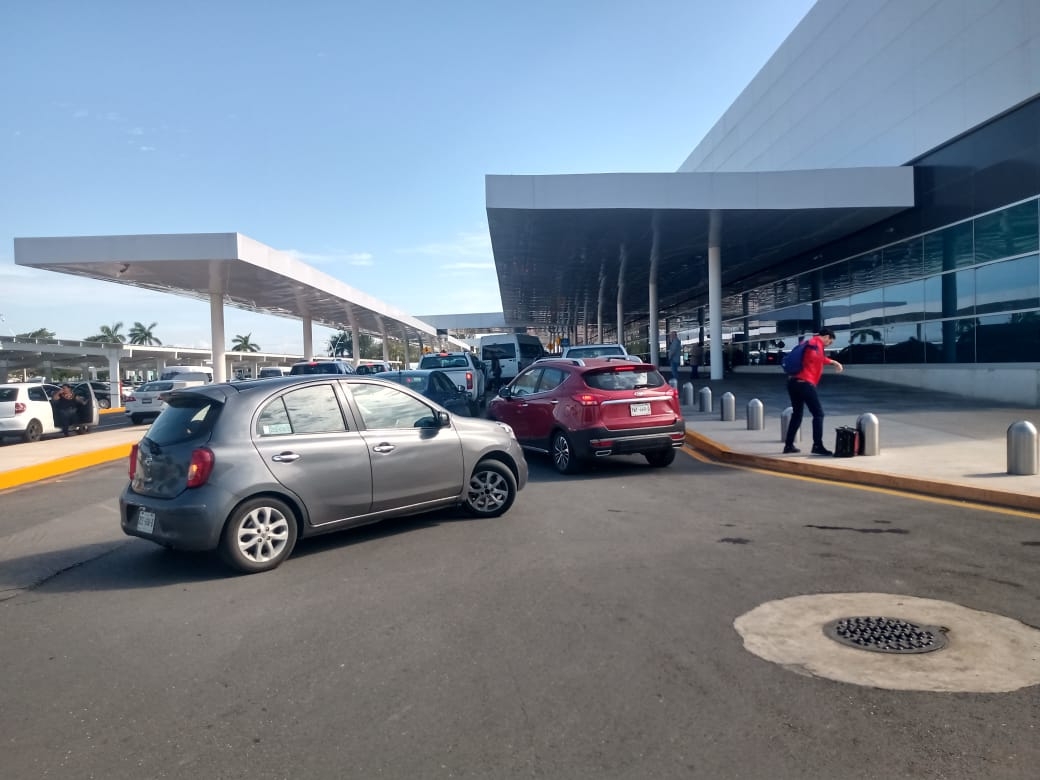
(589, 403)
(133, 461)
(19, 407)
(201, 467)
(469, 380)
(130, 398)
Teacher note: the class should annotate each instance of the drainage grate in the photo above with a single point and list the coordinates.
(885, 635)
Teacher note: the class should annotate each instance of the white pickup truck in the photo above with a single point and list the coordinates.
(464, 370)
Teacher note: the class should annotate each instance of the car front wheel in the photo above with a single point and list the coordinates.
(259, 536)
(491, 490)
(563, 456)
(660, 458)
(104, 403)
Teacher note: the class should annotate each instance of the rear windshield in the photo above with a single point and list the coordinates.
(186, 417)
(623, 378)
(501, 351)
(155, 387)
(318, 368)
(590, 352)
(530, 351)
(8, 393)
(437, 361)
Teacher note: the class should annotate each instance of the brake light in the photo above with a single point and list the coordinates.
(133, 461)
(201, 467)
(469, 380)
(131, 398)
(586, 399)
(19, 407)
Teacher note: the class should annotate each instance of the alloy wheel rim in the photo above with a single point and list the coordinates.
(488, 491)
(263, 534)
(561, 452)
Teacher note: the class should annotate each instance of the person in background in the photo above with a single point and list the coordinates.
(66, 408)
(674, 354)
(801, 388)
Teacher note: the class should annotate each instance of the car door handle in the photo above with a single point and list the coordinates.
(384, 447)
(285, 457)
(555, 401)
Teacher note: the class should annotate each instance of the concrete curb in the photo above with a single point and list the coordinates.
(820, 470)
(66, 465)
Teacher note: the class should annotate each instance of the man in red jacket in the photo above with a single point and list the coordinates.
(801, 387)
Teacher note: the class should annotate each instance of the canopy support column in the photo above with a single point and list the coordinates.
(308, 338)
(621, 296)
(216, 327)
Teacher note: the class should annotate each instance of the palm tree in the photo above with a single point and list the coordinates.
(340, 344)
(109, 334)
(139, 334)
(39, 333)
(244, 344)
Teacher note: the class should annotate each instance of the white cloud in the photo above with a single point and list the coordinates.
(464, 245)
(146, 148)
(468, 266)
(135, 131)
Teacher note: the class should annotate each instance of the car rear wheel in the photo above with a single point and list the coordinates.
(491, 490)
(33, 431)
(104, 403)
(563, 456)
(259, 536)
(660, 458)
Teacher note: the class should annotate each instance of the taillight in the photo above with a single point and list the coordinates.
(469, 380)
(201, 467)
(586, 399)
(589, 407)
(19, 407)
(133, 461)
(130, 398)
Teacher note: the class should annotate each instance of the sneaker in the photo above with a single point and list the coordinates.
(789, 448)
(819, 449)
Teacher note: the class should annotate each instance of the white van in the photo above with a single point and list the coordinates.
(515, 352)
(188, 373)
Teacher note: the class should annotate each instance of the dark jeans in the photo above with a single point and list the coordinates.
(803, 394)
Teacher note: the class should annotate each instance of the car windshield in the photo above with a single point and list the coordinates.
(623, 378)
(186, 417)
(589, 352)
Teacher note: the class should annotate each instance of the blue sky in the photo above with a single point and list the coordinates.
(354, 134)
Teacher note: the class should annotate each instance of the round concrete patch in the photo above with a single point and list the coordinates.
(986, 653)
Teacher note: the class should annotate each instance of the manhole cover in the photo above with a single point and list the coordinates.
(885, 635)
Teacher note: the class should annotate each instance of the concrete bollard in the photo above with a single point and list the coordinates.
(755, 415)
(785, 421)
(687, 394)
(704, 398)
(869, 434)
(728, 406)
(1022, 453)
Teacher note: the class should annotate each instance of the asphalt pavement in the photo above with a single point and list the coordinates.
(931, 443)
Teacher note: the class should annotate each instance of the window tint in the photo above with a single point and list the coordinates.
(501, 351)
(328, 367)
(185, 418)
(388, 407)
(441, 383)
(307, 410)
(8, 393)
(551, 378)
(531, 350)
(526, 383)
(623, 379)
(37, 394)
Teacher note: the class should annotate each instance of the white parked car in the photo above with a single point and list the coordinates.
(599, 351)
(26, 411)
(148, 400)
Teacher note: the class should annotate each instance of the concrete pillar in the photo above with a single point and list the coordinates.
(653, 326)
(308, 338)
(715, 310)
(621, 296)
(216, 326)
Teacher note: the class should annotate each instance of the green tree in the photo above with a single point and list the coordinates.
(244, 344)
(141, 334)
(39, 333)
(109, 334)
(340, 344)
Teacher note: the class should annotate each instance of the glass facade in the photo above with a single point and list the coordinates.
(966, 293)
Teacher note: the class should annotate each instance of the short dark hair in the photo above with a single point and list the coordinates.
(826, 332)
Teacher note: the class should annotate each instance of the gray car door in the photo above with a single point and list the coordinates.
(411, 464)
(304, 438)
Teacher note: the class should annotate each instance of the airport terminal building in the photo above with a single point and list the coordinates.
(937, 285)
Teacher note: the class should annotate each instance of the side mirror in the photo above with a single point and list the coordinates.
(443, 419)
(462, 388)
(505, 392)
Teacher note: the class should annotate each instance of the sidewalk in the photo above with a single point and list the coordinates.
(936, 444)
(931, 443)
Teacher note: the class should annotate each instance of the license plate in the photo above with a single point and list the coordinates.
(146, 400)
(145, 520)
(639, 410)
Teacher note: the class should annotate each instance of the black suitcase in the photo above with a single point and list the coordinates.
(846, 444)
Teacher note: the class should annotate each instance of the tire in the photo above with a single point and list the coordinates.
(259, 535)
(660, 458)
(104, 403)
(136, 419)
(563, 456)
(33, 431)
(491, 490)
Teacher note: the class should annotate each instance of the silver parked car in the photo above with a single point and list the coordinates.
(247, 468)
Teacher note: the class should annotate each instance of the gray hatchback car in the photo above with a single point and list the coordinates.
(250, 467)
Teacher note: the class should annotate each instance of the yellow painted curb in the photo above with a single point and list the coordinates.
(66, 465)
(804, 468)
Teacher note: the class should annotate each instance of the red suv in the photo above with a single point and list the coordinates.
(580, 409)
